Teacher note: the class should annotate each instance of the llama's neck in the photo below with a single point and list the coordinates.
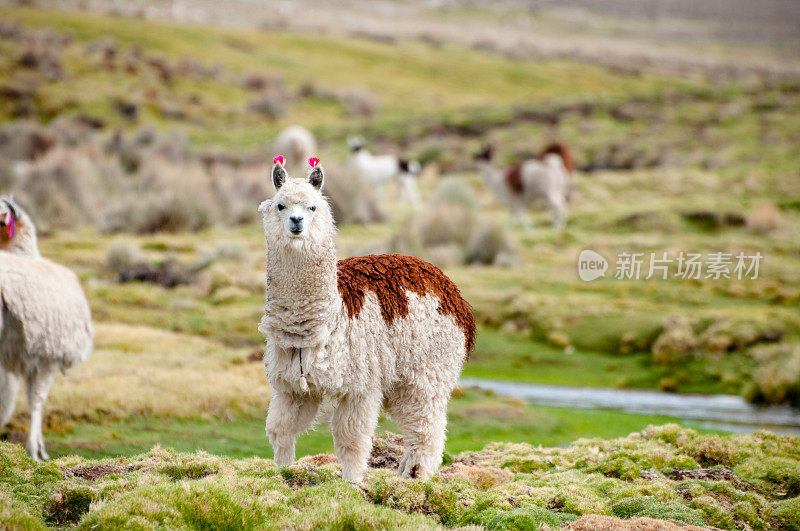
(302, 296)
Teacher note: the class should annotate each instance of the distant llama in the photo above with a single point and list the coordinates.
(298, 144)
(543, 180)
(45, 324)
(378, 170)
(365, 332)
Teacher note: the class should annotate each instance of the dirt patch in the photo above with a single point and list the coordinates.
(318, 460)
(387, 451)
(256, 355)
(713, 474)
(14, 435)
(482, 477)
(596, 522)
(167, 274)
(715, 220)
(93, 473)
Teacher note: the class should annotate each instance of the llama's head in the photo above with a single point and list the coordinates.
(17, 233)
(298, 216)
(485, 154)
(356, 143)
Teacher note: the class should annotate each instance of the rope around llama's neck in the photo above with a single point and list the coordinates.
(303, 382)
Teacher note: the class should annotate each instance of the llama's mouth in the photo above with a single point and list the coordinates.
(296, 231)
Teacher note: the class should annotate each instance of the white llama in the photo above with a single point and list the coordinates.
(365, 332)
(378, 170)
(298, 144)
(45, 325)
(543, 180)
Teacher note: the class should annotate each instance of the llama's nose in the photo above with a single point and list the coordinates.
(296, 219)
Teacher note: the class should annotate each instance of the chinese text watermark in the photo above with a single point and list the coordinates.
(662, 265)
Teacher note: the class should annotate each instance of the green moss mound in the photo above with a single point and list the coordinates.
(664, 472)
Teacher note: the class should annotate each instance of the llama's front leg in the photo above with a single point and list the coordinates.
(38, 383)
(353, 424)
(9, 388)
(521, 215)
(288, 416)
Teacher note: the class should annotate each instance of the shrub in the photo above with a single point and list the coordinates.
(778, 378)
(765, 218)
(490, 245)
(351, 199)
(788, 514)
(676, 341)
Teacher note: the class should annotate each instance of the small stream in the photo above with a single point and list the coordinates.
(723, 412)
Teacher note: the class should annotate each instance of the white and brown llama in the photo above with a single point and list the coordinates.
(45, 322)
(523, 187)
(375, 331)
(378, 170)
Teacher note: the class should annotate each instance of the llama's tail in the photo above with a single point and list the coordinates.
(562, 151)
(409, 166)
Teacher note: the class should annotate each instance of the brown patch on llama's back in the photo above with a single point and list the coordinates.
(389, 276)
(514, 179)
(562, 151)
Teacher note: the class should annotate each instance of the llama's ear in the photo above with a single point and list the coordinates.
(278, 176)
(316, 177)
(11, 208)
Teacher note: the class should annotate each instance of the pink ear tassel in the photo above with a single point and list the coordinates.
(278, 160)
(12, 229)
(313, 161)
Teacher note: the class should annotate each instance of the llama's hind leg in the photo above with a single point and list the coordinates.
(423, 419)
(288, 416)
(353, 424)
(38, 383)
(9, 389)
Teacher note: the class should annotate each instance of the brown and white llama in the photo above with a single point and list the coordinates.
(535, 181)
(374, 331)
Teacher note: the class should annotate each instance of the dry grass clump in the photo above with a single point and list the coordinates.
(777, 380)
(490, 245)
(357, 101)
(482, 477)
(352, 200)
(728, 335)
(42, 51)
(24, 140)
(59, 187)
(597, 522)
(270, 103)
(166, 197)
(449, 231)
(128, 264)
(765, 218)
(136, 370)
(675, 342)
(261, 81)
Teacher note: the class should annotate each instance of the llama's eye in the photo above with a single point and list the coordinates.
(312, 208)
(281, 207)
